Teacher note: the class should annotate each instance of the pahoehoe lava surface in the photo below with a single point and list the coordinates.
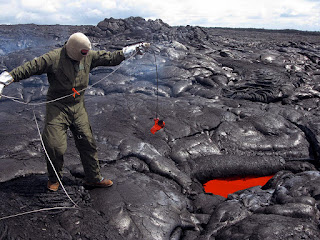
(236, 102)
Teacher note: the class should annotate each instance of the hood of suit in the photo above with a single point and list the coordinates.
(76, 44)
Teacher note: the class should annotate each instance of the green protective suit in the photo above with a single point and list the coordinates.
(64, 74)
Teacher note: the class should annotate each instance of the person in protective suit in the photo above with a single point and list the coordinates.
(67, 69)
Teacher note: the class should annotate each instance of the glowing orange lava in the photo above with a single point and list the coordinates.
(225, 186)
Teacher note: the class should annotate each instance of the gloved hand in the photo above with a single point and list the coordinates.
(136, 48)
(5, 80)
(1, 89)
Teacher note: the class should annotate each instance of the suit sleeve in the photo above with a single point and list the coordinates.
(104, 58)
(37, 66)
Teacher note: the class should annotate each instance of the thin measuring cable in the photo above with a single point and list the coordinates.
(75, 206)
(155, 62)
(116, 69)
(71, 94)
(44, 148)
(35, 211)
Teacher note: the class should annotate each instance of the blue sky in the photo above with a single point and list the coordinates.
(268, 14)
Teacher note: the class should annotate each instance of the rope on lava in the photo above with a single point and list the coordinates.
(35, 211)
(75, 206)
(44, 148)
(157, 75)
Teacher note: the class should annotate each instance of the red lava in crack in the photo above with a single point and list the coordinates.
(225, 186)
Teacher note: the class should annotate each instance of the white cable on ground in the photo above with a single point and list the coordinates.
(39, 210)
(75, 206)
(44, 148)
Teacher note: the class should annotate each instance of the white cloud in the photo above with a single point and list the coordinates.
(108, 4)
(234, 13)
(50, 6)
(275, 14)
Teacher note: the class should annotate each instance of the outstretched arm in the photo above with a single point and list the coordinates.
(37, 66)
(104, 58)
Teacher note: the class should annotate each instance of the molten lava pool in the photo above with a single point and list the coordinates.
(225, 186)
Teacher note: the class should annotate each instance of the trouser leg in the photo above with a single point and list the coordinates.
(55, 140)
(86, 145)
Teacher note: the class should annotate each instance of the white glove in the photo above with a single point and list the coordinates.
(136, 48)
(5, 80)
(1, 89)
